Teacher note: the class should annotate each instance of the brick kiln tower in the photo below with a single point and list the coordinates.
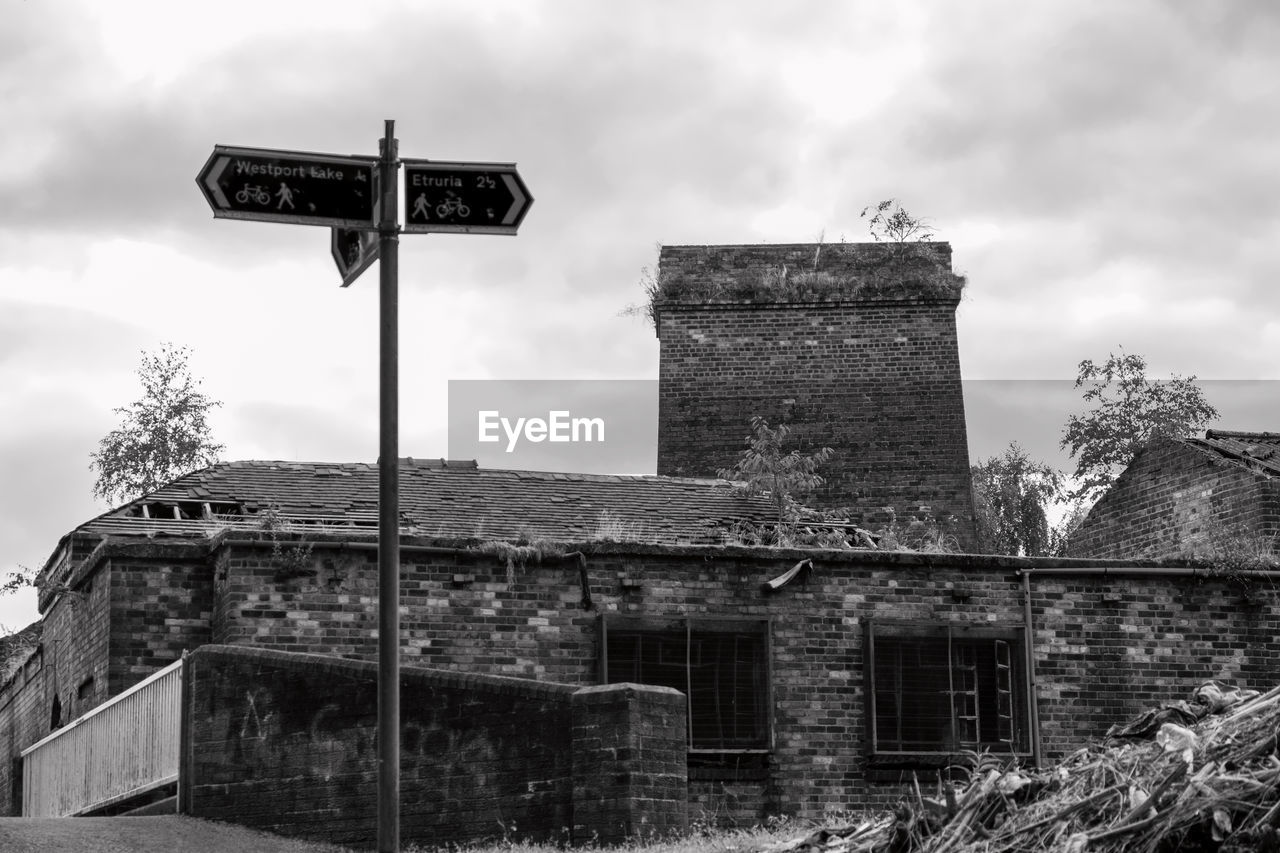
(853, 345)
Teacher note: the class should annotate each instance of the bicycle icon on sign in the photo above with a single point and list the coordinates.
(452, 205)
(255, 193)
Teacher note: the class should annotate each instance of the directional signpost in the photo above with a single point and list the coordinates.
(290, 186)
(463, 198)
(358, 198)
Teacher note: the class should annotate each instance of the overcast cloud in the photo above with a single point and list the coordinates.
(1106, 173)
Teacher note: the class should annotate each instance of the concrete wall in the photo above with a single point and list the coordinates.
(287, 743)
(1173, 496)
(875, 378)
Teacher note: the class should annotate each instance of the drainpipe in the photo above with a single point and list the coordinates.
(1030, 651)
(1139, 571)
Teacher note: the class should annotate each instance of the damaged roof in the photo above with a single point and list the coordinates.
(439, 498)
(1257, 451)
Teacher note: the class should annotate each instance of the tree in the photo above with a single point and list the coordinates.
(765, 468)
(1012, 494)
(1128, 411)
(892, 224)
(161, 436)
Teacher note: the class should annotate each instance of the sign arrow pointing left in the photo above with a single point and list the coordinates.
(290, 186)
(219, 198)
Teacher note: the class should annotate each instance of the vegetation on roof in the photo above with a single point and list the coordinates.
(902, 263)
(914, 274)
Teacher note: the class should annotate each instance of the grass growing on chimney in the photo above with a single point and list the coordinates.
(897, 272)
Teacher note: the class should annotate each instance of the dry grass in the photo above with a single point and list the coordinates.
(698, 841)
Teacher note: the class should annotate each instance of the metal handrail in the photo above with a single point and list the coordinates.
(124, 747)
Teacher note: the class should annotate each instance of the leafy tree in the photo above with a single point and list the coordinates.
(1012, 494)
(1060, 533)
(1128, 411)
(766, 468)
(161, 436)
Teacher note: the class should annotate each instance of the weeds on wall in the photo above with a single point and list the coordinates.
(1231, 552)
(921, 533)
(521, 552)
(16, 647)
(900, 264)
(290, 563)
(920, 276)
(25, 577)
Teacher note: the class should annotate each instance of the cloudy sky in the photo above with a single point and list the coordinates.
(1107, 174)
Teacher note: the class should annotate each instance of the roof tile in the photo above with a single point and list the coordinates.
(457, 499)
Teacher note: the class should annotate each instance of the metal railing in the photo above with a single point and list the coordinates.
(122, 748)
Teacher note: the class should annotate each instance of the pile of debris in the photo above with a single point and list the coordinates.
(1198, 775)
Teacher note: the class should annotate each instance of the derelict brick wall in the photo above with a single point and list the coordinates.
(1107, 647)
(159, 608)
(24, 719)
(644, 728)
(1171, 495)
(75, 642)
(877, 380)
(459, 611)
(287, 743)
(71, 664)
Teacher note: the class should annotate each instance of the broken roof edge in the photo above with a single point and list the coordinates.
(1242, 434)
(1212, 448)
(430, 464)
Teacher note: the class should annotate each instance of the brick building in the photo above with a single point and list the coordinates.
(851, 344)
(812, 677)
(1185, 494)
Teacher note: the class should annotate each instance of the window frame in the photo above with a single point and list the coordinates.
(1012, 633)
(690, 623)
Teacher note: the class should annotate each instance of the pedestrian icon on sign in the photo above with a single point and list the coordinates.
(421, 206)
(286, 197)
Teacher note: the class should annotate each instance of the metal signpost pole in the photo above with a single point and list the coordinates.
(303, 188)
(388, 505)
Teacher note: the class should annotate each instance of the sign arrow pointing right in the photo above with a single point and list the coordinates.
(518, 199)
(463, 198)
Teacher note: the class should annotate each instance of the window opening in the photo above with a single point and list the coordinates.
(721, 669)
(944, 690)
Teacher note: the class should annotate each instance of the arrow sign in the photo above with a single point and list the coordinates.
(290, 186)
(354, 252)
(463, 198)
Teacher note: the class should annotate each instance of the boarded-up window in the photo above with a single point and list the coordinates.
(941, 688)
(720, 665)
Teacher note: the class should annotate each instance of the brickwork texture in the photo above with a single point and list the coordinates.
(1106, 647)
(1172, 497)
(877, 379)
(1158, 637)
(287, 742)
